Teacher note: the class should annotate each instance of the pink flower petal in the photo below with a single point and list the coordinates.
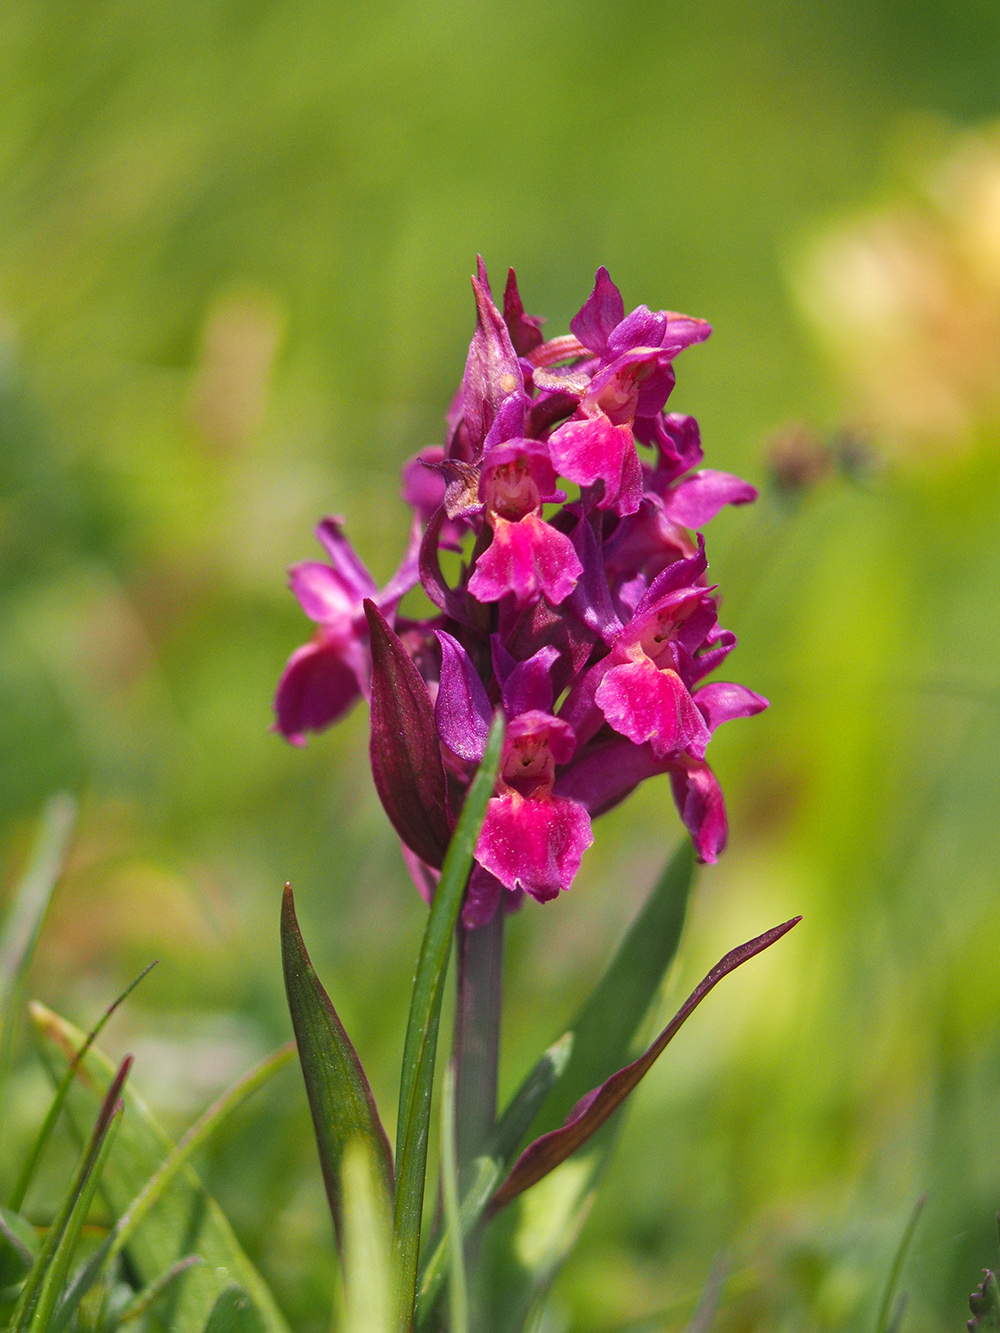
(602, 312)
(697, 500)
(647, 704)
(698, 797)
(318, 685)
(722, 702)
(592, 449)
(534, 845)
(526, 558)
(345, 560)
(462, 710)
(323, 594)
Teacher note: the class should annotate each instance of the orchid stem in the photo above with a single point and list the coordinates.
(477, 1038)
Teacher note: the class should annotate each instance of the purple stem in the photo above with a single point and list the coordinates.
(477, 1038)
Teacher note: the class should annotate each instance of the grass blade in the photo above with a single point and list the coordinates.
(420, 1048)
(48, 1124)
(30, 1292)
(154, 1189)
(147, 1298)
(458, 1296)
(186, 1219)
(18, 1247)
(885, 1308)
(54, 1282)
(340, 1098)
(30, 904)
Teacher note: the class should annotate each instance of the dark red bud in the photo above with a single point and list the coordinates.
(405, 751)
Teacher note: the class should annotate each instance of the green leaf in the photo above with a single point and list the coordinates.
(522, 1251)
(417, 1080)
(607, 1023)
(18, 1247)
(369, 1296)
(234, 1312)
(493, 1166)
(186, 1218)
(598, 1105)
(48, 1124)
(44, 1283)
(340, 1098)
(27, 913)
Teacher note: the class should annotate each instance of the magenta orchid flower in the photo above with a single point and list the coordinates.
(587, 620)
(325, 676)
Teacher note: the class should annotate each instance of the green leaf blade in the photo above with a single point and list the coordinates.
(607, 1022)
(417, 1079)
(185, 1220)
(340, 1097)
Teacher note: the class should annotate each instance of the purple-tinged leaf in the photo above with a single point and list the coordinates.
(340, 1098)
(405, 751)
(590, 1113)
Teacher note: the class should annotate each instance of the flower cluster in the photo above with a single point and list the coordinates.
(587, 618)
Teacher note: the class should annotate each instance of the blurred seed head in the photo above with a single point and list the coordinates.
(907, 300)
(232, 380)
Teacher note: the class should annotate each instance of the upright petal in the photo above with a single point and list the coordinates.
(603, 310)
(534, 845)
(492, 371)
(462, 710)
(525, 686)
(344, 558)
(525, 330)
(322, 594)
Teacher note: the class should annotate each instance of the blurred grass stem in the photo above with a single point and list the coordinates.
(477, 1038)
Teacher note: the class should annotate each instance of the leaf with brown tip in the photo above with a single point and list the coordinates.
(590, 1113)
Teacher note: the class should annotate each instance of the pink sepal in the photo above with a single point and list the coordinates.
(317, 686)
(699, 799)
(696, 500)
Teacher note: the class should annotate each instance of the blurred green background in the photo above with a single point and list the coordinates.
(234, 245)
